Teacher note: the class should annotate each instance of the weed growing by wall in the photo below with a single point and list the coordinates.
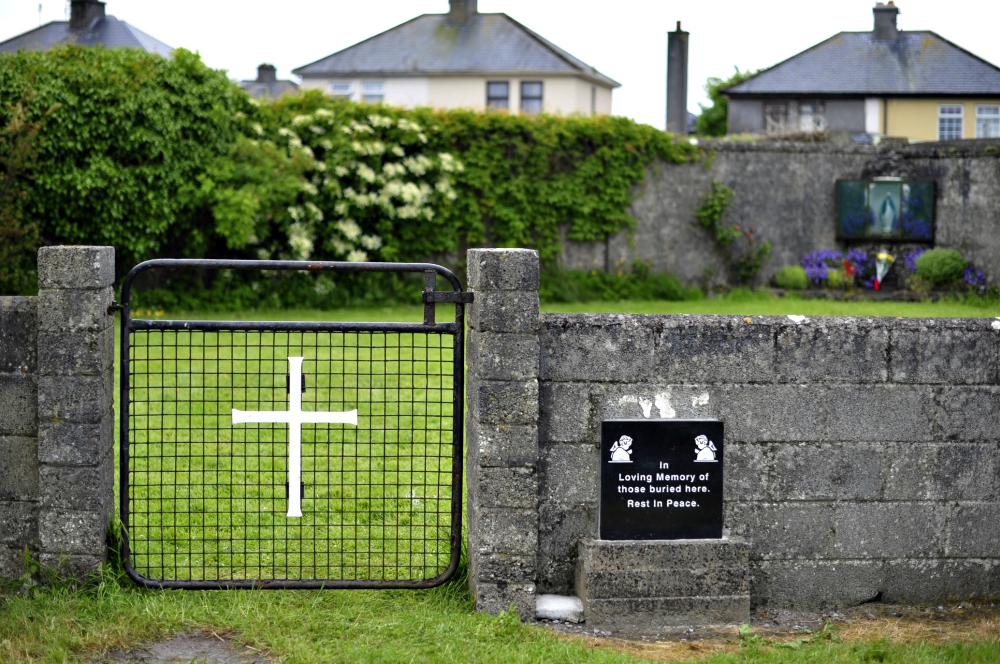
(745, 253)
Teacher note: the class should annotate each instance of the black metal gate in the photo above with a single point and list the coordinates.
(292, 454)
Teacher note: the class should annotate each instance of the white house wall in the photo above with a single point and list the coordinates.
(561, 95)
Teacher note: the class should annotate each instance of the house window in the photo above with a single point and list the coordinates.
(531, 96)
(988, 122)
(812, 117)
(341, 89)
(775, 118)
(950, 122)
(497, 94)
(374, 92)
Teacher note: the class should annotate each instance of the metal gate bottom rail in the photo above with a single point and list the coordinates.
(292, 454)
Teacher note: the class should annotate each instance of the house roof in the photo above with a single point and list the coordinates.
(107, 30)
(855, 63)
(430, 45)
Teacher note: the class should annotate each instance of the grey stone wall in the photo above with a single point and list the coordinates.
(863, 454)
(56, 416)
(786, 193)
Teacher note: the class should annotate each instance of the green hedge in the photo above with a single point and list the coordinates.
(166, 157)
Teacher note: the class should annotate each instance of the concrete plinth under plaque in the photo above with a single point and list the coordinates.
(663, 583)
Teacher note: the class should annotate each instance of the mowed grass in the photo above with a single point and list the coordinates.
(208, 498)
(59, 623)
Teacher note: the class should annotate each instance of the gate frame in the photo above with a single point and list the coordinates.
(429, 297)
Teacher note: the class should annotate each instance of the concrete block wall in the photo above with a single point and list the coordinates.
(56, 414)
(862, 454)
(502, 429)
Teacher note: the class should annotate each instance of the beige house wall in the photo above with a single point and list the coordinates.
(561, 95)
(917, 119)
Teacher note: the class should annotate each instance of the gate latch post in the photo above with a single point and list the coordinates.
(430, 279)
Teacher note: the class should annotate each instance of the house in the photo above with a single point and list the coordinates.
(267, 85)
(463, 59)
(88, 25)
(886, 82)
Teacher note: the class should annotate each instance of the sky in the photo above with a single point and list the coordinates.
(624, 39)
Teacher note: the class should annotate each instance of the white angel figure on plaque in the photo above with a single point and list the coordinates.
(621, 451)
(706, 449)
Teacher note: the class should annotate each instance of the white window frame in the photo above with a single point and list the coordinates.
(988, 113)
(373, 92)
(346, 91)
(948, 113)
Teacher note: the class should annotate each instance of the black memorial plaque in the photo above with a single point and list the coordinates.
(661, 479)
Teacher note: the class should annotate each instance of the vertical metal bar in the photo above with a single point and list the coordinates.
(430, 279)
(123, 426)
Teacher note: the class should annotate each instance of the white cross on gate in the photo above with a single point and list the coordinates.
(295, 418)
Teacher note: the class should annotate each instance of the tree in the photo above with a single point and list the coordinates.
(713, 119)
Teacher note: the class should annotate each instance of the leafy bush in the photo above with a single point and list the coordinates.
(133, 131)
(18, 235)
(941, 267)
(637, 283)
(713, 120)
(837, 279)
(791, 277)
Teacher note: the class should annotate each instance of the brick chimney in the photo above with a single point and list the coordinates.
(885, 22)
(83, 13)
(267, 73)
(462, 10)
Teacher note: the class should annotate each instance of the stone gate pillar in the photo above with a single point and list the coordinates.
(502, 431)
(76, 352)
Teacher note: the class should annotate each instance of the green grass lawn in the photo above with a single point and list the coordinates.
(186, 445)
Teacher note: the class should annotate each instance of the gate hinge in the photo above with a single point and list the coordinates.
(114, 306)
(447, 297)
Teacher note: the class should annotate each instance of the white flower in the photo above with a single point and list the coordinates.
(371, 242)
(408, 125)
(284, 131)
(317, 130)
(349, 228)
(308, 187)
(324, 113)
(314, 212)
(326, 144)
(357, 256)
(301, 120)
(398, 151)
(300, 241)
(340, 171)
(258, 129)
(379, 121)
(366, 173)
(295, 213)
(339, 246)
(321, 166)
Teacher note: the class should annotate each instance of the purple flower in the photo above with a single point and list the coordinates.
(818, 263)
(910, 259)
(974, 277)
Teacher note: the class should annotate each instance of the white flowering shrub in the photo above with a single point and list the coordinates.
(373, 190)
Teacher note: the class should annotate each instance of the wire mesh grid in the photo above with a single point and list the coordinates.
(208, 498)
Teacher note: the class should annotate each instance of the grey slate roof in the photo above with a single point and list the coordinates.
(108, 31)
(269, 89)
(918, 63)
(430, 45)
